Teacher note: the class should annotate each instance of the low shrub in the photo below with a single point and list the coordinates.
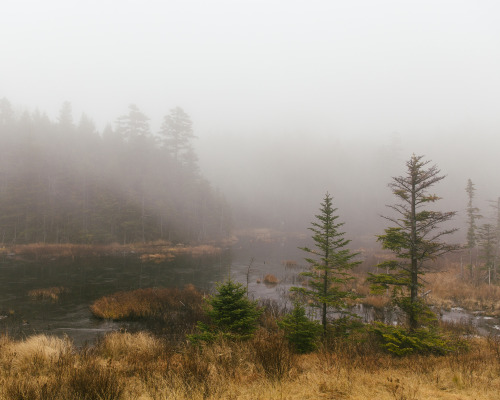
(396, 340)
(231, 314)
(301, 332)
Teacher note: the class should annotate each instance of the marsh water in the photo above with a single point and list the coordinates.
(87, 279)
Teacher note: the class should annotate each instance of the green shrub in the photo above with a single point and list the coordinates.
(301, 332)
(396, 340)
(345, 326)
(231, 314)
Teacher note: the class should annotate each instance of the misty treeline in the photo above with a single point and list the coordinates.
(62, 181)
(483, 238)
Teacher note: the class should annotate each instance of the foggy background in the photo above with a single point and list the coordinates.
(288, 99)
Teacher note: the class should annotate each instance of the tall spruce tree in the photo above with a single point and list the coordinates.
(330, 263)
(177, 133)
(487, 243)
(472, 216)
(415, 238)
(496, 228)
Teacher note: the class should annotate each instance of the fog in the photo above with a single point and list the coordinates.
(288, 100)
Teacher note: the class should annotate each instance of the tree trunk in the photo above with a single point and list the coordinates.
(412, 315)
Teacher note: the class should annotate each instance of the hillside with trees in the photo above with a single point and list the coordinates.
(65, 182)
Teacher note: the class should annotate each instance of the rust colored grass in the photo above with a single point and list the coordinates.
(147, 303)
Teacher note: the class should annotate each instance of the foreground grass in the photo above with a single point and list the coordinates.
(141, 366)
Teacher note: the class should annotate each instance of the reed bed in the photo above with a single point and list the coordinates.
(148, 303)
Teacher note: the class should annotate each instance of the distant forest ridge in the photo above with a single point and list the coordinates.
(62, 182)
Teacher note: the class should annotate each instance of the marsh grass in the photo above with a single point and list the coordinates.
(51, 293)
(173, 308)
(157, 251)
(129, 366)
(271, 279)
(445, 285)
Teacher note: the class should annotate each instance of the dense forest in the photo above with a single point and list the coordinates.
(62, 181)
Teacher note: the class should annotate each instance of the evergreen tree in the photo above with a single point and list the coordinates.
(177, 133)
(487, 244)
(301, 332)
(472, 216)
(496, 228)
(134, 125)
(414, 239)
(330, 262)
(65, 119)
(231, 314)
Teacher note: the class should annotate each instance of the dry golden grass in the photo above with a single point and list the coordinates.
(270, 279)
(147, 303)
(38, 352)
(449, 290)
(139, 366)
(376, 301)
(445, 283)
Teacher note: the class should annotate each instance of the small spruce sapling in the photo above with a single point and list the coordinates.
(301, 332)
(231, 314)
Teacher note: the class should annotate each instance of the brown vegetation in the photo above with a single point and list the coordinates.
(149, 303)
(289, 263)
(270, 279)
(52, 293)
(153, 251)
(445, 286)
(139, 366)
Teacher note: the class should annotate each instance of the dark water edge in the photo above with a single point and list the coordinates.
(87, 279)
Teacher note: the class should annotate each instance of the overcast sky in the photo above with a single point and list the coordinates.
(363, 67)
(359, 69)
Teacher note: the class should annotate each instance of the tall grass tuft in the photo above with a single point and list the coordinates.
(38, 354)
(273, 354)
(92, 381)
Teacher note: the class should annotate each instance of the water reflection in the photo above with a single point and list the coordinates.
(85, 280)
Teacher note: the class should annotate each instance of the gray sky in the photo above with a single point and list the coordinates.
(325, 71)
(360, 67)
